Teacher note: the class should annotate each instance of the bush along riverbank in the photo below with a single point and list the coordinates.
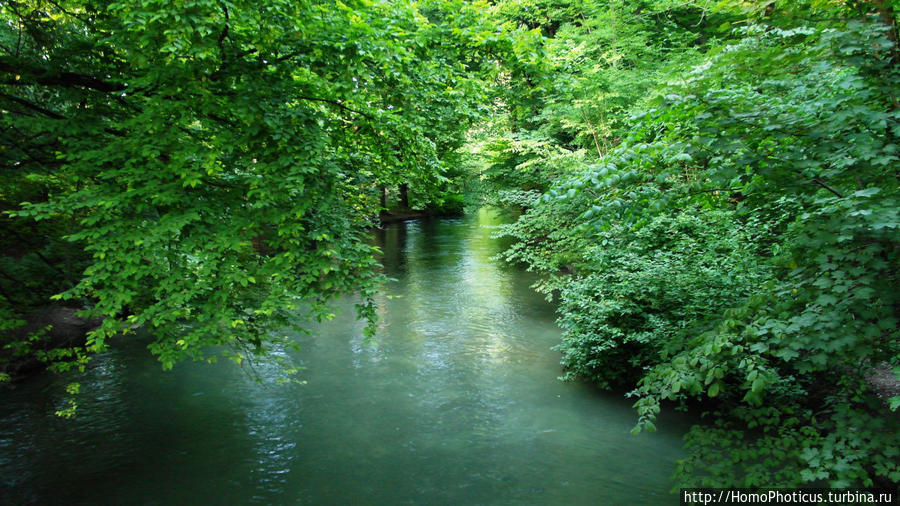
(729, 242)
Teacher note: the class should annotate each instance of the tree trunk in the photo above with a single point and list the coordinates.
(886, 13)
(404, 196)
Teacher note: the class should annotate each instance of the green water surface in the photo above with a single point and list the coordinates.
(458, 403)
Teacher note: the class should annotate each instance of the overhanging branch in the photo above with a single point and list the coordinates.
(29, 75)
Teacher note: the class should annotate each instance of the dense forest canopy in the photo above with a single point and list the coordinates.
(709, 189)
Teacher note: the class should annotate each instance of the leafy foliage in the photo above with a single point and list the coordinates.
(710, 189)
(640, 291)
(207, 170)
(569, 85)
(736, 252)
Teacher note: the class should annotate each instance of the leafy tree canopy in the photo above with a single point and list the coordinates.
(206, 169)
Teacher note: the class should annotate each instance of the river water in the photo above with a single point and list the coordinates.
(457, 403)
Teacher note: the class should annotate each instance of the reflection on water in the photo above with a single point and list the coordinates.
(457, 403)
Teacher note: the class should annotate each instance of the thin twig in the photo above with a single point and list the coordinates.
(715, 190)
(817, 182)
(337, 103)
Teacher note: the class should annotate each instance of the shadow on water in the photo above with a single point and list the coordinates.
(392, 241)
(457, 403)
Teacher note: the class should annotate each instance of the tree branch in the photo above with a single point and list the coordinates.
(33, 107)
(64, 11)
(48, 77)
(223, 36)
(712, 190)
(337, 103)
(819, 183)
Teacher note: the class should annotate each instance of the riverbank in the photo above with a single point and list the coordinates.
(400, 215)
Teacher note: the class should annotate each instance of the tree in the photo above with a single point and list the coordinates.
(572, 85)
(207, 169)
(735, 253)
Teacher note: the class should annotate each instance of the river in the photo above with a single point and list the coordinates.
(457, 403)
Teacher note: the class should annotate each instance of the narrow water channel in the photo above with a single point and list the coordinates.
(458, 403)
